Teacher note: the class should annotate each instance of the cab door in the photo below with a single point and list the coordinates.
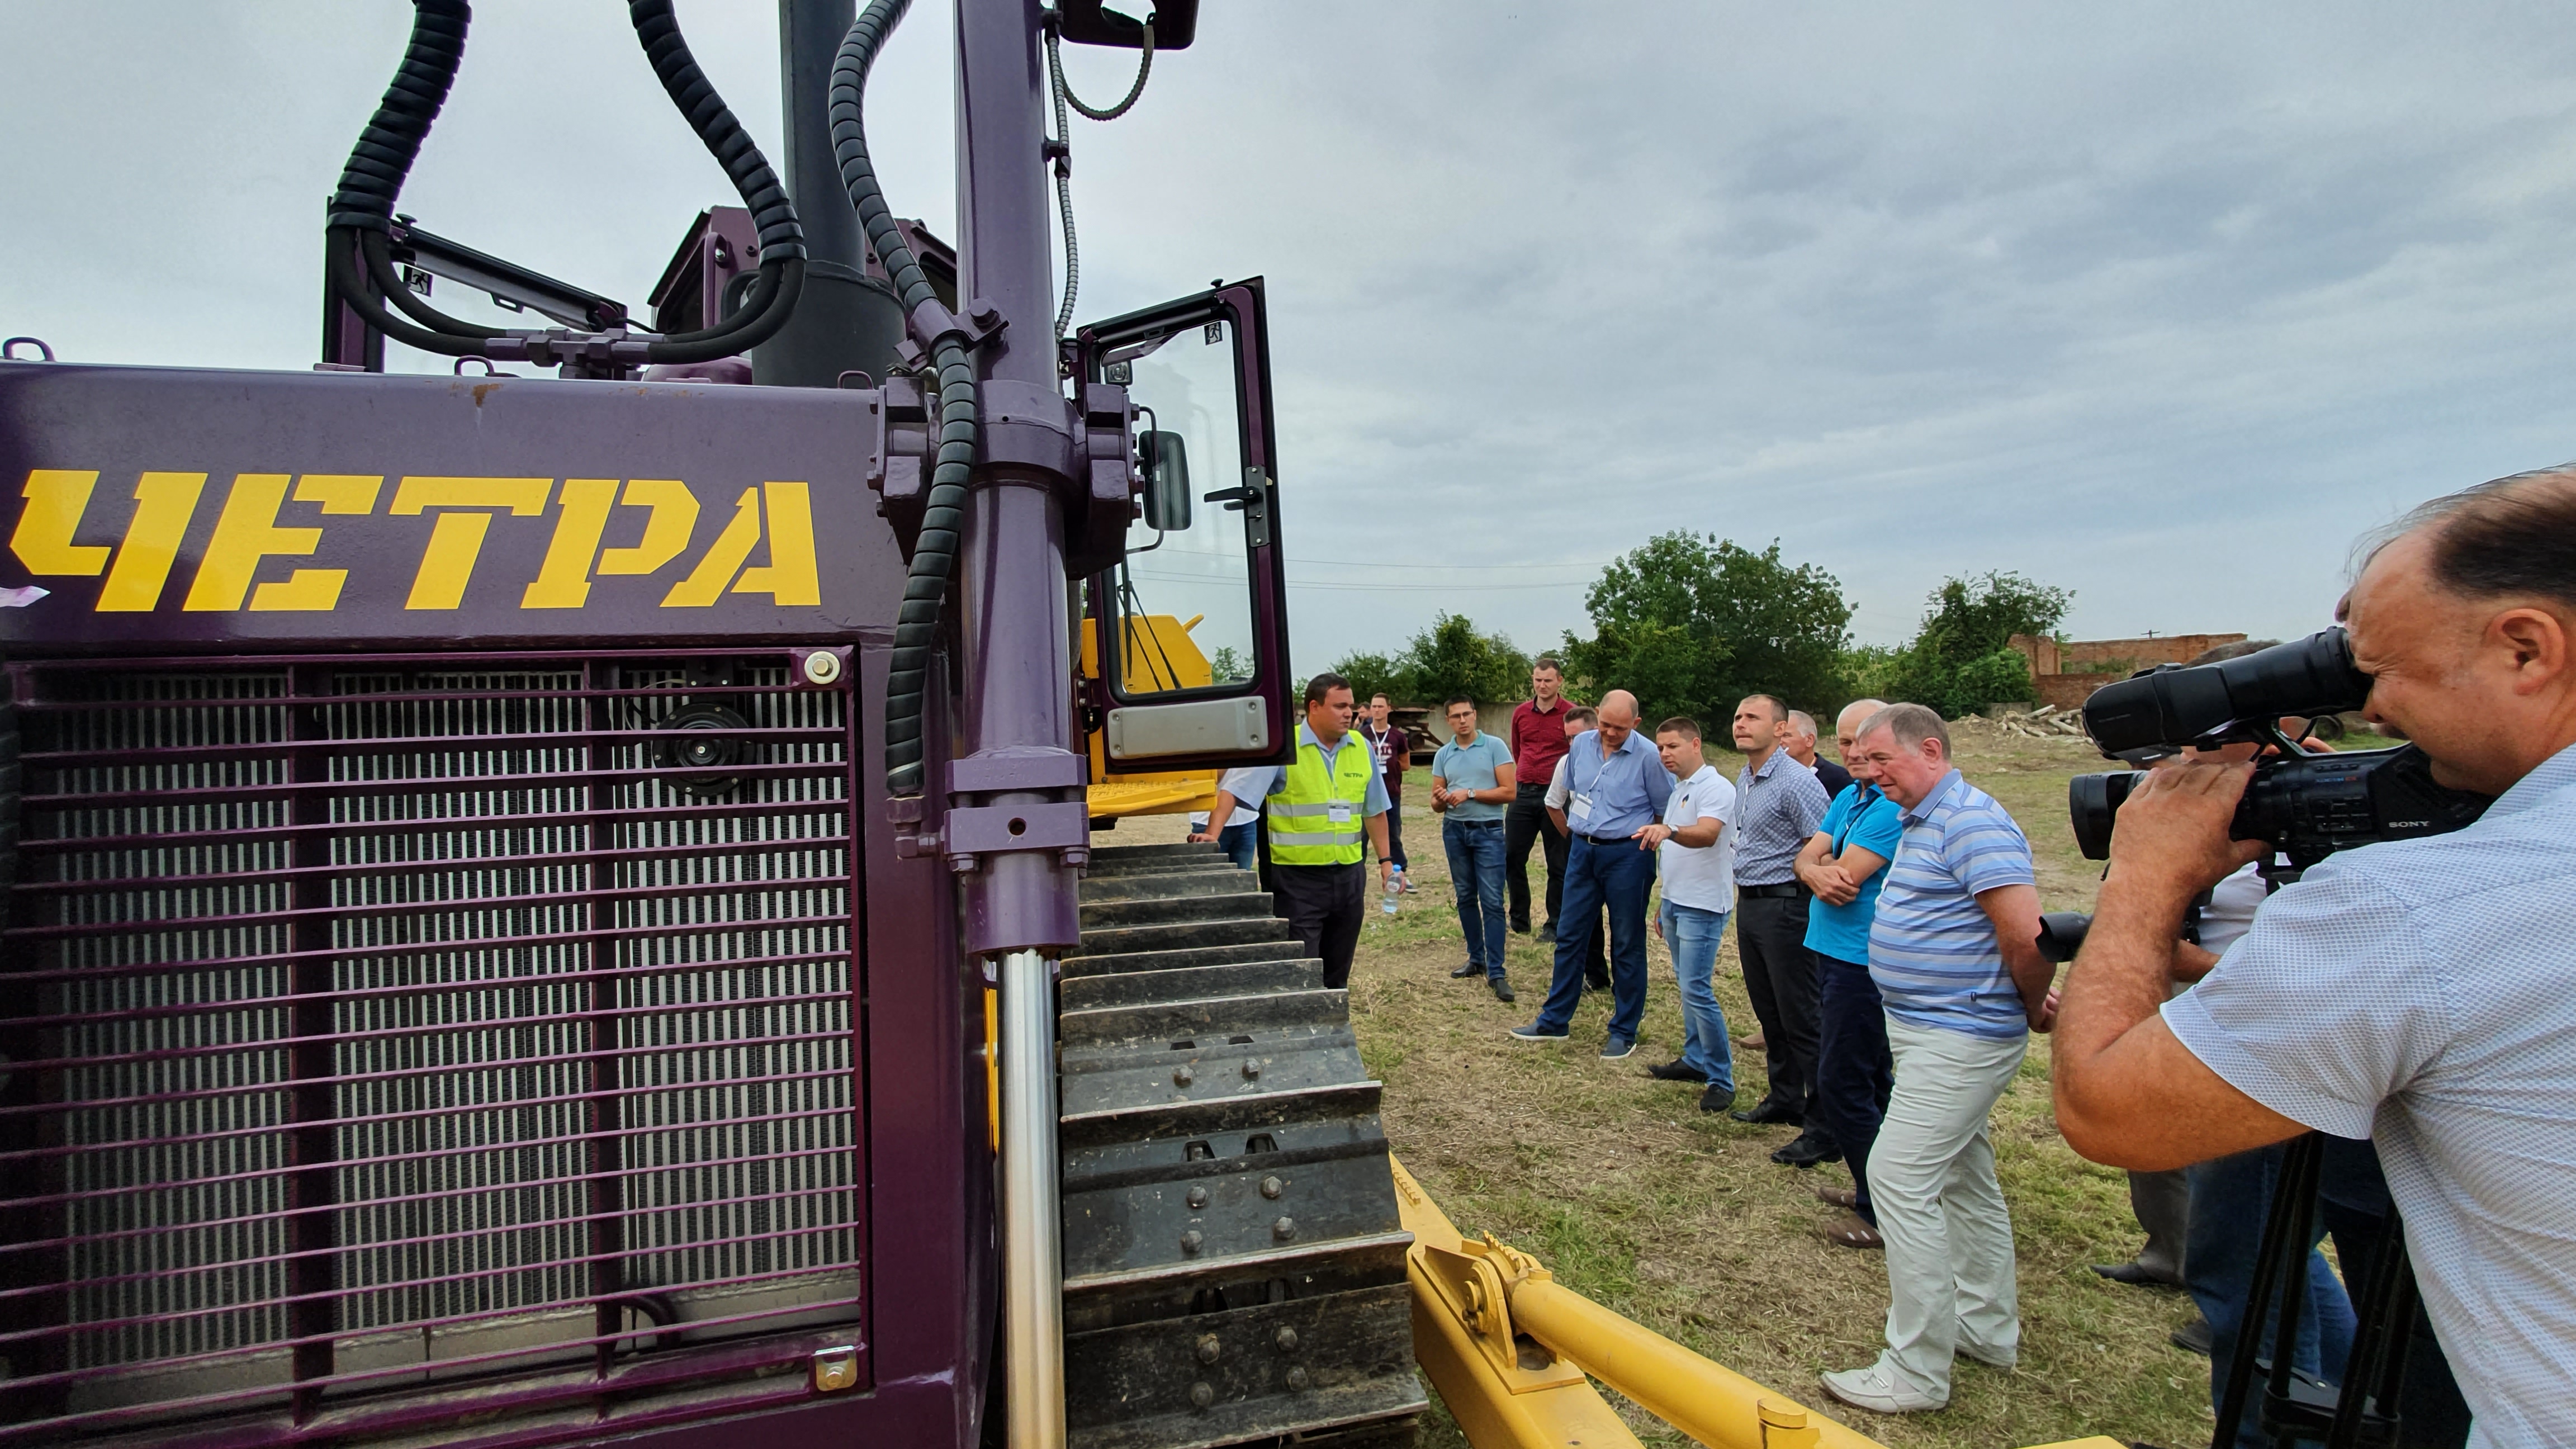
(1197, 677)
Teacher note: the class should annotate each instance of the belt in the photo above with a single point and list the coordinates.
(1471, 824)
(1607, 839)
(1784, 890)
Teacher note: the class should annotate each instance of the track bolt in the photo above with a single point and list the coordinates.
(1286, 1338)
(1271, 1187)
(1198, 1197)
(1298, 1379)
(1209, 1348)
(1284, 1229)
(1183, 1076)
(1190, 1241)
(1252, 1071)
(1202, 1394)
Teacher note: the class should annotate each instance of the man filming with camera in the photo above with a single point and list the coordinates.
(2419, 992)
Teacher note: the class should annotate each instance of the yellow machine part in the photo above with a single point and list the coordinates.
(1160, 655)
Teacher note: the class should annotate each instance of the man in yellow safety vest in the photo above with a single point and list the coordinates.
(1314, 810)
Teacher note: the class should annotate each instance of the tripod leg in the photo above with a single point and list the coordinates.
(2280, 1275)
(2376, 1374)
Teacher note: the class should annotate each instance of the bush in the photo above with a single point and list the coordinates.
(1969, 624)
(1448, 658)
(2002, 677)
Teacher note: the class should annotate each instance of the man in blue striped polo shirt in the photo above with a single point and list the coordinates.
(1954, 952)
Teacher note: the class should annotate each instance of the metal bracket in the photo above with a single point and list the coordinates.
(1476, 1282)
(930, 322)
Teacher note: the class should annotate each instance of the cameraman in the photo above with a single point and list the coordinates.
(2421, 992)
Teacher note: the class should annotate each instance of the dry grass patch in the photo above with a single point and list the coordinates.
(1679, 1219)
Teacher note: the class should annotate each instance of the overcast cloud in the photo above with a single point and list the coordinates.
(2162, 304)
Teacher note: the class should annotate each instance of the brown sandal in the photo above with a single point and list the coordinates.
(1851, 1230)
(1847, 1198)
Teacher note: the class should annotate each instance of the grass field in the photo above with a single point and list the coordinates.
(1680, 1220)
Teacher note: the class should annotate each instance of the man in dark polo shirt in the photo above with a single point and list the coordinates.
(1537, 741)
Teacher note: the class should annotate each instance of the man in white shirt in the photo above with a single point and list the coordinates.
(1695, 855)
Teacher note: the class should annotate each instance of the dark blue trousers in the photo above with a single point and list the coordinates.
(1853, 1072)
(1620, 876)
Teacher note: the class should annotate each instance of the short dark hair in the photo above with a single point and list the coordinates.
(1324, 684)
(1779, 708)
(1374, 698)
(1545, 661)
(1582, 714)
(2510, 536)
(1680, 724)
(1456, 700)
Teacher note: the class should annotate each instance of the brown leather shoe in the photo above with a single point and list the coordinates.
(1851, 1230)
(1846, 1198)
(1751, 1043)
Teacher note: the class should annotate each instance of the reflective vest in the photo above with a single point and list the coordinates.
(1300, 812)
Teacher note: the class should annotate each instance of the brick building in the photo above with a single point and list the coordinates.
(2064, 672)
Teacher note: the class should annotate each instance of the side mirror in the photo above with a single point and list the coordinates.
(1167, 482)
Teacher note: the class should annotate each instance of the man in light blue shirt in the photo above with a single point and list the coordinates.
(1616, 786)
(2420, 993)
(1472, 781)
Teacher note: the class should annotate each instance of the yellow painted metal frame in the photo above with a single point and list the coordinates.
(1509, 1349)
(1172, 661)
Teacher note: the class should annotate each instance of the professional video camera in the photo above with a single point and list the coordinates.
(2307, 806)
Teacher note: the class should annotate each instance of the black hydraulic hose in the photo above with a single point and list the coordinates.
(391, 142)
(934, 555)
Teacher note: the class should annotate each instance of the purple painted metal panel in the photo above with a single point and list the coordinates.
(363, 860)
(182, 509)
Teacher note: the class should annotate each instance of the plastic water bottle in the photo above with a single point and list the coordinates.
(1394, 888)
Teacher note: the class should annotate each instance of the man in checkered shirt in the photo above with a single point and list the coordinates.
(2418, 993)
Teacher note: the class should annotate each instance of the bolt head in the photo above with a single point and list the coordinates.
(1183, 1076)
(1298, 1378)
(1191, 1240)
(1202, 1394)
(822, 667)
(1284, 1229)
(1209, 1348)
(1252, 1071)
(1271, 1187)
(1198, 1197)
(1286, 1338)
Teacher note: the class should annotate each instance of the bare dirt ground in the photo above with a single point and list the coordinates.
(1680, 1220)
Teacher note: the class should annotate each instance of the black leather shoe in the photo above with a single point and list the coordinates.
(2192, 1337)
(1675, 1072)
(2136, 1275)
(1463, 972)
(1768, 1113)
(1807, 1151)
(1716, 1098)
(1546, 934)
(1502, 987)
(1597, 983)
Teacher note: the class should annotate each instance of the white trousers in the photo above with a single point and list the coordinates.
(1932, 1179)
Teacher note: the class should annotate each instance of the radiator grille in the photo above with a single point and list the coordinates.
(389, 1024)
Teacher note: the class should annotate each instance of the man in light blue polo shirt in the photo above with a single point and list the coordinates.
(1472, 782)
(1616, 786)
(1954, 951)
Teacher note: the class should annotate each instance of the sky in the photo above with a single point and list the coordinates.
(2161, 304)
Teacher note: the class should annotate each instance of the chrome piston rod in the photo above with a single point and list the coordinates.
(1032, 1218)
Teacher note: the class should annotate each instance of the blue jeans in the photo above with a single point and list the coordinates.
(1235, 843)
(2231, 1199)
(1622, 876)
(1692, 933)
(1476, 874)
(1853, 1069)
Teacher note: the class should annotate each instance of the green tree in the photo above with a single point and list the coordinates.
(1451, 658)
(1954, 660)
(1690, 624)
(1372, 674)
(1228, 665)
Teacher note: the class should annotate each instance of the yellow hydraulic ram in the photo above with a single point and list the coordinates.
(1508, 1347)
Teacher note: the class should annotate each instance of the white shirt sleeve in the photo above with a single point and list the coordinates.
(1557, 794)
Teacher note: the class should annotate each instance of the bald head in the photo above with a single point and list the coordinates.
(1618, 716)
(1847, 731)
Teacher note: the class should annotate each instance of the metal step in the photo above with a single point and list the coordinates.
(1233, 1256)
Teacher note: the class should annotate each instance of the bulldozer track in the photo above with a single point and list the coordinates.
(1233, 1256)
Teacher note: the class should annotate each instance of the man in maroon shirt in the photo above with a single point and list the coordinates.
(1538, 742)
